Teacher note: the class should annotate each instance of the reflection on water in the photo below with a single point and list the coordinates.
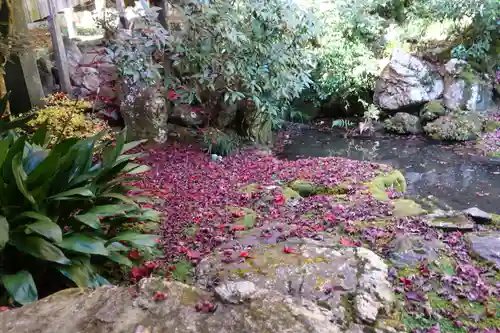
(460, 181)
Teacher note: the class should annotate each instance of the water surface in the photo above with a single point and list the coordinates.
(456, 178)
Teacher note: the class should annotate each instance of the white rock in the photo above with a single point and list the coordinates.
(236, 292)
(406, 81)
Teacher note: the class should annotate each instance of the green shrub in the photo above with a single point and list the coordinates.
(255, 53)
(62, 211)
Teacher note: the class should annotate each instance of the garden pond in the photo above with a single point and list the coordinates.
(451, 175)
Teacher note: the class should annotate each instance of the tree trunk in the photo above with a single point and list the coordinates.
(146, 115)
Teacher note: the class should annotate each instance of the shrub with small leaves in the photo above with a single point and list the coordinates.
(66, 118)
(219, 142)
(62, 211)
(253, 53)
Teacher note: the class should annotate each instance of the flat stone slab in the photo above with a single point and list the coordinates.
(478, 215)
(411, 249)
(450, 221)
(485, 245)
(343, 280)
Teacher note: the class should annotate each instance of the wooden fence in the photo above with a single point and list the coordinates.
(38, 9)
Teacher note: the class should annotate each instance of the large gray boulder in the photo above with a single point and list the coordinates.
(407, 81)
(349, 283)
(157, 305)
(464, 89)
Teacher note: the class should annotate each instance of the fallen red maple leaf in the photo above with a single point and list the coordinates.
(349, 242)
(193, 254)
(160, 296)
(239, 213)
(238, 228)
(134, 254)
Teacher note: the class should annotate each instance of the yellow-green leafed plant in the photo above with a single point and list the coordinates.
(66, 118)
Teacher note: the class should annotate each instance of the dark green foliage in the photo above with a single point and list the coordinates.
(62, 210)
(6, 123)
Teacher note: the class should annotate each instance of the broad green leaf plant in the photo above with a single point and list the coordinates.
(62, 211)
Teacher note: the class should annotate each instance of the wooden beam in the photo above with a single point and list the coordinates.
(59, 50)
(120, 7)
(28, 58)
(70, 22)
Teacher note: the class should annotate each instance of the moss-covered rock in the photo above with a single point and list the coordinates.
(290, 194)
(393, 181)
(491, 125)
(456, 127)
(307, 188)
(465, 89)
(306, 268)
(450, 221)
(157, 305)
(304, 188)
(409, 250)
(403, 123)
(407, 207)
(432, 111)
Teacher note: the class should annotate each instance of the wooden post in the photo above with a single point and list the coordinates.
(59, 51)
(120, 7)
(70, 22)
(28, 58)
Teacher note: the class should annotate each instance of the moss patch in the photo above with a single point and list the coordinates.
(391, 181)
(243, 216)
(191, 230)
(494, 154)
(408, 271)
(143, 228)
(407, 207)
(438, 302)
(290, 194)
(303, 187)
(445, 265)
(183, 271)
(306, 188)
(496, 219)
(250, 188)
(432, 110)
(412, 322)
